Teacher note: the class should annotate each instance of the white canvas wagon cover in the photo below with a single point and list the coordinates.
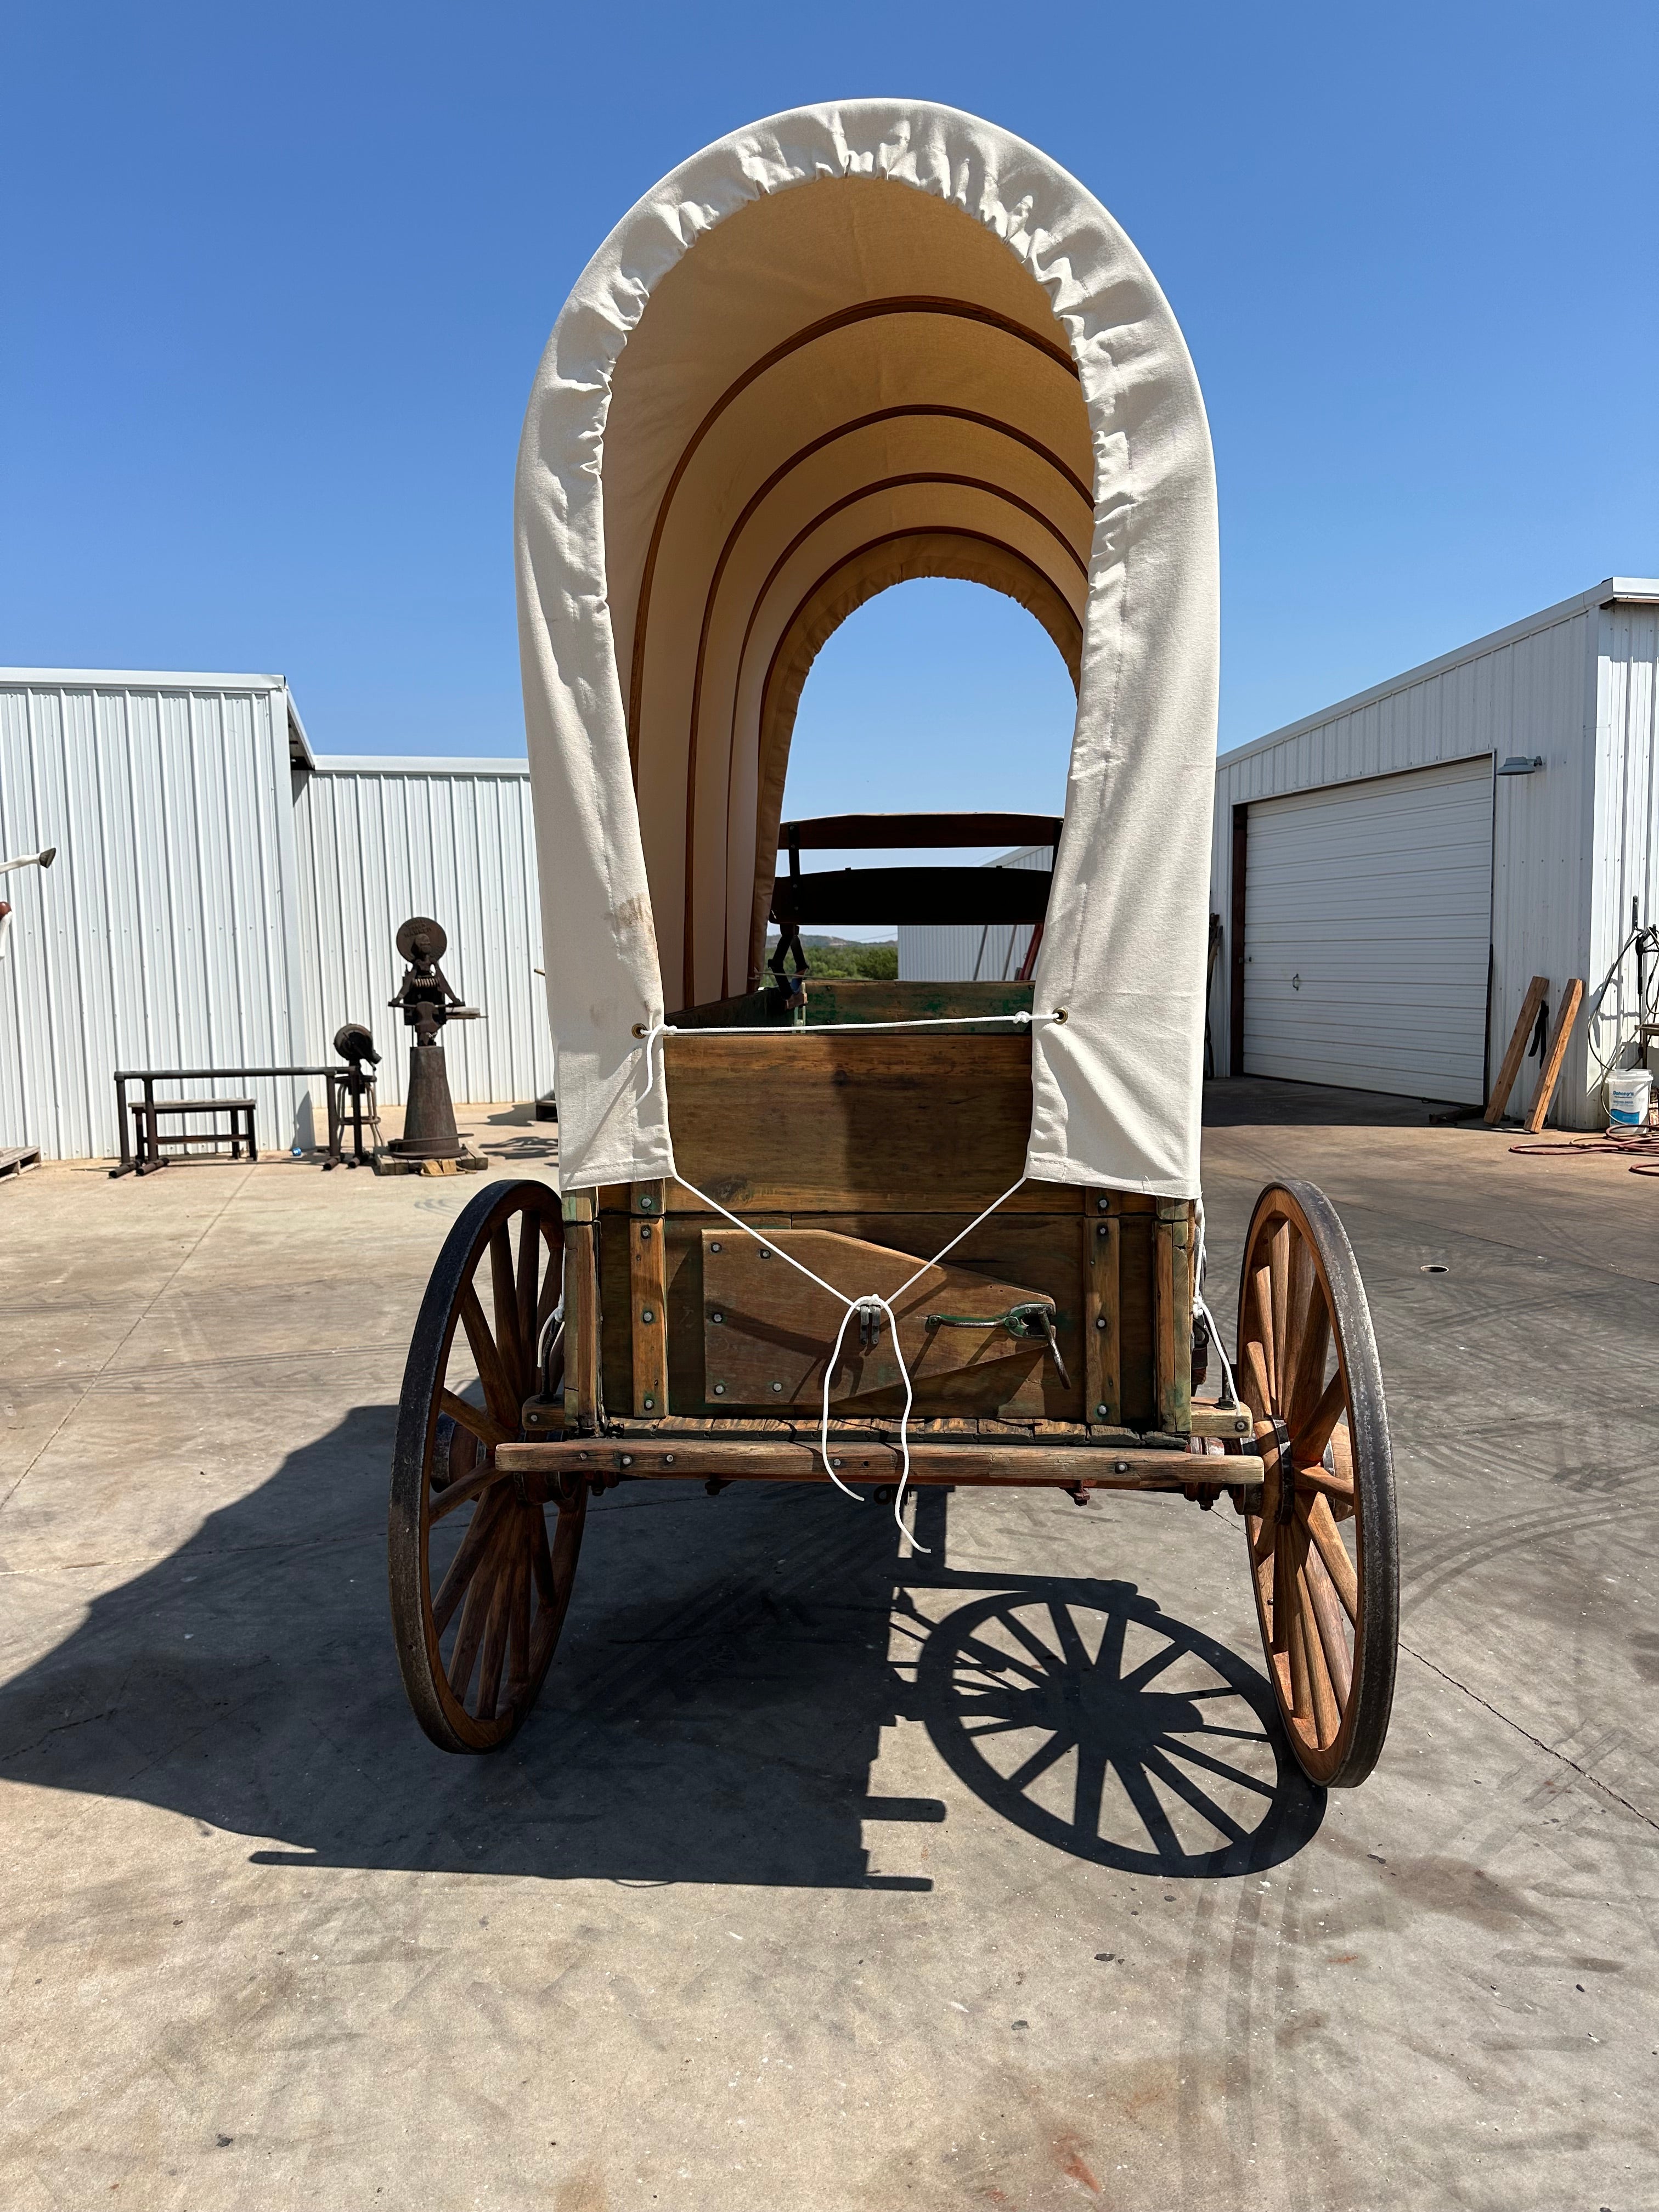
(846, 346)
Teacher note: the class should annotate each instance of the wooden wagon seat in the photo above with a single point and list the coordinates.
(839, 388)
(839, 897)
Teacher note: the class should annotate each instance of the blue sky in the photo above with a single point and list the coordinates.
(276, 283)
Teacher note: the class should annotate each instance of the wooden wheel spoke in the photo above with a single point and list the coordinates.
(529, 1286)
(1328, 1718)
(492, 1370)
(1308, 1443)
(504, 1297)
(500, 1615)
(524, 1607)
(1321, 1592)
(541, 1561)
(1284, 1573)
(1328, 1538)
(1259, 1333)
(1319, 1478)
(480, 1608)
(469, 1486)
(1296, 1644)
(465, 1563)
(1313, 1349)
(474, 1419)
(1279, 1266)
(1258, 1375)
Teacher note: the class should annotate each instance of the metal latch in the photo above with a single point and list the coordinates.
(1032, 1319)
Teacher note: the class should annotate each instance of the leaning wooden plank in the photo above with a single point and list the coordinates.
(1517, 1050)
(861, 1459)
(1566, 1014)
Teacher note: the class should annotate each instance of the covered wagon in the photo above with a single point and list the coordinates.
(873, 1235)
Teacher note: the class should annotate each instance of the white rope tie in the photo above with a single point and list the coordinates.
(870, 1301)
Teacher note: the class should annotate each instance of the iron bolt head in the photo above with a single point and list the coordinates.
(777, 1386)
(717, 1248)
(1100, 1412)
(646, 1314)
(627, 1459)
(1120, 1467)
(719, 1390)
(717, 1316)
(668, 1459)
(648, 1403)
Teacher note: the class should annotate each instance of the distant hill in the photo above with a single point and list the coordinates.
(875, 963)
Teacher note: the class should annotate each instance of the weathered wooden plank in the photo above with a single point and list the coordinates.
(583, 1391)
(769, 1332)
(647, 1268)
(1173, 1316)
(861, 1459)
(1102, 1320)
(807, 1120)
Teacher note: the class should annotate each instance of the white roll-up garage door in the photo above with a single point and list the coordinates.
(1367, 933)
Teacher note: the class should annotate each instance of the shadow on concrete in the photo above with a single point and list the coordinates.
(714, 1714)
(515, 1134)
(1253, 1101)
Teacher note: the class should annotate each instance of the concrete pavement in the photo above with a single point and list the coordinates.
(752, 1914)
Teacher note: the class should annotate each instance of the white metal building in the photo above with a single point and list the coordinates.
(952, 953)
(380, 839)
(1388, 889)
(166, 934)
(220, 898)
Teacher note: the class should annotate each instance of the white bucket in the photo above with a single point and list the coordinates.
(1629, 1090)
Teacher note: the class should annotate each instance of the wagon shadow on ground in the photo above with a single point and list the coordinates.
(715, 1713)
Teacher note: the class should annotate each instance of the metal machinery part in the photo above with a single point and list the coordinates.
(427, 1002)
(353, 1095)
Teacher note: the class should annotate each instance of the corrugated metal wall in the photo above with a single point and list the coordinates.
(933, 952)
(164, 933)
(381, 840)
(1529, 689)
(1626, 866)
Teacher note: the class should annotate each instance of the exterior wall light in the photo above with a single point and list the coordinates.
(1517, 764)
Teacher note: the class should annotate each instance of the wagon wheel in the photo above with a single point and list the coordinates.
(479, 1588)
(1322, 1546)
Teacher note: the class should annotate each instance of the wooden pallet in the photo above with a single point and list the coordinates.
(387, 1163)
(17, 1157)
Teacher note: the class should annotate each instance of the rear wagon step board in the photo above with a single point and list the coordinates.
(863, 1460)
